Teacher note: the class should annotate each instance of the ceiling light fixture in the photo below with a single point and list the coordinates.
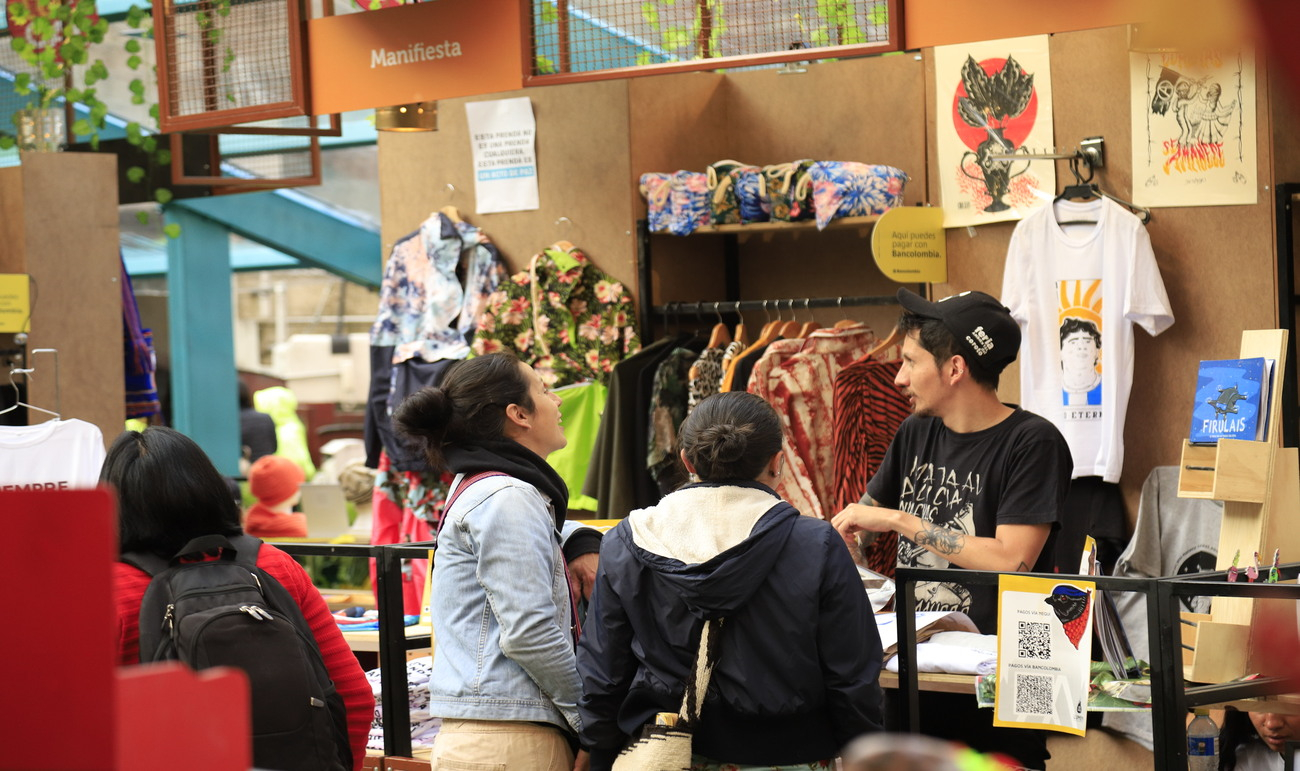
(417, 116)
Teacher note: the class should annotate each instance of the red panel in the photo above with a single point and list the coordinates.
(170, 718)
(59, 655)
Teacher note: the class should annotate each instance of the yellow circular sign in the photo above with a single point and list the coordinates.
(909, 247)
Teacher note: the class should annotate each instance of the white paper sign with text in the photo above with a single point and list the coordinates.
(503, 138)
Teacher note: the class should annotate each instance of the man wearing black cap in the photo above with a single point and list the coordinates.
(968, 481)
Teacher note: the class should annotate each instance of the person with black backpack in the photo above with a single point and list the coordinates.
(190, 586)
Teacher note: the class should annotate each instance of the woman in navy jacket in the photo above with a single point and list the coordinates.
(799, 656)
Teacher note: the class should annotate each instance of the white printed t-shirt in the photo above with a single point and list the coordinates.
(1076, 292)
(54, 455)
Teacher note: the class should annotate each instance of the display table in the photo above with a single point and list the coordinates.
(368, 641)
(933, 681)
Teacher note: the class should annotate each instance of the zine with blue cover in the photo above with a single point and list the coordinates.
(1231, 400)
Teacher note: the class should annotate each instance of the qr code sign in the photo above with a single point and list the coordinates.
(1034, 694)
(1035, 640)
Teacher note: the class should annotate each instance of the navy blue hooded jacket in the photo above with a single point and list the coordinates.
(799, 655)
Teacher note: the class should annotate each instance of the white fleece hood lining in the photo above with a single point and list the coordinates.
(696, 524)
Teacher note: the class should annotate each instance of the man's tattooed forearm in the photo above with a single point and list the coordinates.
(940, 539)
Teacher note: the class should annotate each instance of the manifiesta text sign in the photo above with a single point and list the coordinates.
(414, 53)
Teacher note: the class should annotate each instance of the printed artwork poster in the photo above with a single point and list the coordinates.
(1044, 653)
(994, 98)
(503, 141)
(1193, 129)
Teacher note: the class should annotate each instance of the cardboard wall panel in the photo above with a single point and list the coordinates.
(60, 211)
(1217, 261)
(583, 171)
(864, 110)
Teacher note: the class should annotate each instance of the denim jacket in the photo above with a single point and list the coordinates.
(501, 612)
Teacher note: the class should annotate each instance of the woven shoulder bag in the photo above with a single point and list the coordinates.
(668, 747)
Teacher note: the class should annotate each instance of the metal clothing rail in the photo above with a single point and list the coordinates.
(703, 308)
(1171, 697)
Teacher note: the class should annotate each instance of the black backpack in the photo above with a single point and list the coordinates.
(229, 612)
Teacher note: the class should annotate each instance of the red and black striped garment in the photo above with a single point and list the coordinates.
(868, 410)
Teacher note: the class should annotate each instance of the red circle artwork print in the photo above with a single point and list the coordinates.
(1014, 130)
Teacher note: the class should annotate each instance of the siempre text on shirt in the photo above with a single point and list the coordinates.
(34, 486)
(415, 52)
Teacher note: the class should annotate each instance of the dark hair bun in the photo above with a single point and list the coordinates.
(723, 443)
(730, 436)
(424, 414)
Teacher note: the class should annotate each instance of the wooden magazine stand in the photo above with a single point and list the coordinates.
(1259, 484)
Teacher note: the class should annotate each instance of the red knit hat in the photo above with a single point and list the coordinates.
(274, 479)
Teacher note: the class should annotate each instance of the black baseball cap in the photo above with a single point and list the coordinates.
(982, 326)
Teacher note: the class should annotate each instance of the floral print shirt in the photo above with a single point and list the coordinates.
(564, 316)
(421, 298)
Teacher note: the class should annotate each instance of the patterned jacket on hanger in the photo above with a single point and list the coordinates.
(564, 316)
(421, 297)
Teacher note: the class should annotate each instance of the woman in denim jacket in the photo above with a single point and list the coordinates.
(504, 677)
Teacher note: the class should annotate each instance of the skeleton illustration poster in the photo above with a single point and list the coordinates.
(1193, 129)
(994, 98)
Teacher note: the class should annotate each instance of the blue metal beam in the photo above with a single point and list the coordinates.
(300, 227)
(205, 404)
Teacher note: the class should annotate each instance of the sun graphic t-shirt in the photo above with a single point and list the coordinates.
(1077, 291)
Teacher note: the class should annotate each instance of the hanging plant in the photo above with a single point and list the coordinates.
(51, 37)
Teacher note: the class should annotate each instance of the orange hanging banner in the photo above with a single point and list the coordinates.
(415, 53)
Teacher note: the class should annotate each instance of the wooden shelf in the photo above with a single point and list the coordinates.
(1232, 470)
(842, 223)
(933, 681)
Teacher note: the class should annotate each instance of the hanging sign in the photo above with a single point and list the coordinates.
(502, 135)
(1044, 653)
(15, 302)
(909, 246)
(414, 53)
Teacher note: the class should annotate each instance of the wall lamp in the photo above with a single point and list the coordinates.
(416, 116)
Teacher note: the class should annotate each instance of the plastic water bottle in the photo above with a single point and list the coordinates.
(1202, 743)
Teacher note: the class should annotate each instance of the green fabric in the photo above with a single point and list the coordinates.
(580, 407)
(290, 434)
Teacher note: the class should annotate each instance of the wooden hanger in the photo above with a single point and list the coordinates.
(895, 338)
(846, 322)
(451, 213)
(563, 246)
(808, 328)
(765, 337)
(740, 335)
(720, 336)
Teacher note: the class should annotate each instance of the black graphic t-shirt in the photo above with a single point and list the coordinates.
(1014, 473)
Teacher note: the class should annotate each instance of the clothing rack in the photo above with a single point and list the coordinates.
(26, 372)
(1091, 151)
(1091, 154)
(703, 308)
